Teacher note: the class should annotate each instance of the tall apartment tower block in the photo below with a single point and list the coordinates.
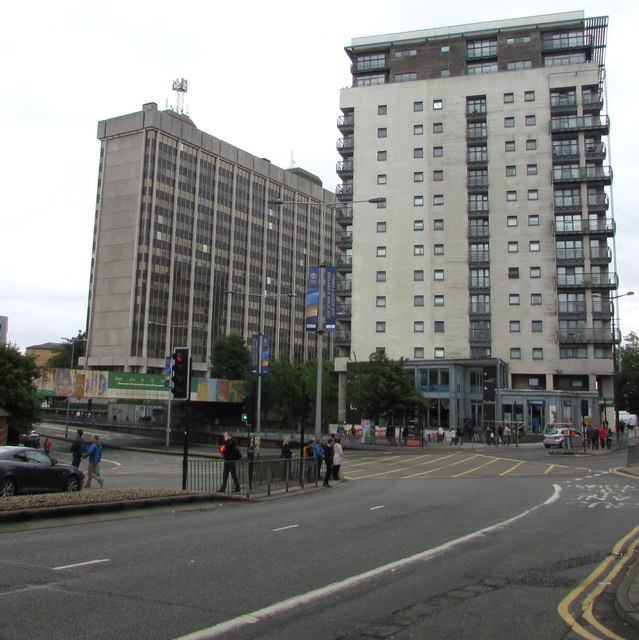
(187, 247)
(490, 265)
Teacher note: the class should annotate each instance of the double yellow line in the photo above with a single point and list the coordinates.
(621, 554)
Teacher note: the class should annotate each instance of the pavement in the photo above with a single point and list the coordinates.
(626, 599)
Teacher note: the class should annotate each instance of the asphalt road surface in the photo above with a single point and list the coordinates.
(510, 545)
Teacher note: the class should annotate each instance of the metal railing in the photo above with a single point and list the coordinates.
(263, 476)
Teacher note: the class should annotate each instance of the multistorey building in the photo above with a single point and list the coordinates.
(187, 246)
(490, 265)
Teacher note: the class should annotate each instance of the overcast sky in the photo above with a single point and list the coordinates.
(263, 76)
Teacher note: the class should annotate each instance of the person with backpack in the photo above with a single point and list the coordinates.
(231, 454)
(94, 454)
(78, 449)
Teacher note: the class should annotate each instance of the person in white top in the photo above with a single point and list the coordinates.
(338, 457)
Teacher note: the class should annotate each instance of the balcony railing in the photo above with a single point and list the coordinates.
(587, 335)
(575, 254)
(572, 308)
(597, 202)
(345, 146)
(596, 150)
(344, 311)
(477, 134)
(342, 338)
(579, 123)
(345, 122)
(477, 182)
(479, 308)
(479, 283)
(345, 262)
(479, 335)
(478, 256)
(344, 238)
(565, 152)
(478, 232)
(582, 174)
(569, 42)
(563, 102)
(345, 167)
(344, 287)
(365, 66)
(587, 280)
(600, 254)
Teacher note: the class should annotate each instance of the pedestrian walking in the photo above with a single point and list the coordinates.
(338, 458)
(507, 434)
(328, 460)
(602, 436)
(231, 454)
(458, 436)
(608, 438)
(285, 449)
(94, 454)
(47, 446)
(319, 456)
(78, 449)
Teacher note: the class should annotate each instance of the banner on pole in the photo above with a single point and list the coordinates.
(312, 298)
(330, 287)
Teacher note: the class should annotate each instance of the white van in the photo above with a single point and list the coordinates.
(629, 419)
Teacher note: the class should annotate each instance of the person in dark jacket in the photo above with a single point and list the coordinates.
(327, 448)
(230, 454)
(78, 448)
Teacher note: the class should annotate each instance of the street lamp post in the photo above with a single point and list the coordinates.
(615, 363)
(320, 330)
(73, 341)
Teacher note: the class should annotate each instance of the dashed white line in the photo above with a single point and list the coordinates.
(290, 526)
(80, 564)
(379, 506)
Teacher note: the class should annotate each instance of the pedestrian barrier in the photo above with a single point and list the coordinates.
(261, 476)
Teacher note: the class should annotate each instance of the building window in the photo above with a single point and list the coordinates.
(373, 79)
(380, 301)
(509, 145)
(438, 249)
(481, 67)
(529, 96)
(511, 196)
(509, 122)
(418, 275)
(444, 48)
(513, 246)
(515, 353)
(438, 301)
(537, 353)
(438, 152)
(534, 245)
(381, 252)
(536, 326)
(509, 97)
(418, 353)
(418, 152)
(519, 65)
(530, 121)
(535, 298)
(531, 145)
(418, 129)
(438, 127)
(381, 227)
(418, 301)
(381, 156)
(438, 274)
(511, 221)
(418, 225)
(438, 224)
(533, 220)
(381, 178)
(513, 299)
(382, 110)
(380, 326)
(418, 326)
(438, 104)
(418, 176)
(531, 170)
(438, 199)
(380, 276)
(418, 106)
(438, 326)
(511, 170)
(438, 175)
(439, 352)
(513, 273)
(405, 77)
(382, 204)
(406, 53)
(515, 326)
(382, 132)
(533, 194)
(418, 201)
(535, 272)
(418, 250)
(518, 40)
(445, 73)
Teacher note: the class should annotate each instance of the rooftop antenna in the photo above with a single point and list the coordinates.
(292, 160)
(180, 86)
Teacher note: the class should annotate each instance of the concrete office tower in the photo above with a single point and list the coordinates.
(490, 265)
(187, 248)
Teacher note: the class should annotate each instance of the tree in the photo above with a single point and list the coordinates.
(628, 376)
(18, 395)
(230, 358)
(66, 355)
(382, 387)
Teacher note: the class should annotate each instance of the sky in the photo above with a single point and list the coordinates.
(263, 76)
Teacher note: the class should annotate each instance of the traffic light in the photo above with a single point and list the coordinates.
(245, 417)
(181, 373)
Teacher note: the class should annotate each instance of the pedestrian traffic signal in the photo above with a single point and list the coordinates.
(181, 373)
(245, 417)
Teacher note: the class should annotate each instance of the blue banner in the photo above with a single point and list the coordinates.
(256, 360)
(330, 308)
(312, 298)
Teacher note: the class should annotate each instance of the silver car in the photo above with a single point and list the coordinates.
(558, 437)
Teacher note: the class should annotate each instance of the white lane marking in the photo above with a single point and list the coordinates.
(305, 598)
(290, 526)
(380, 506)
(80, 564)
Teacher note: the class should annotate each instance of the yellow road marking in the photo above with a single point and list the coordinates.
(512, 468)
(459, 475)
(564, 606)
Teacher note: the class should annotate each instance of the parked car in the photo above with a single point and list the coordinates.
(31, 439)
(27, 470)
(557, 436)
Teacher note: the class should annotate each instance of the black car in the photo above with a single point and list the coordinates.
(27, 470)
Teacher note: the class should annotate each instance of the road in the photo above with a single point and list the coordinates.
(479, 552)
